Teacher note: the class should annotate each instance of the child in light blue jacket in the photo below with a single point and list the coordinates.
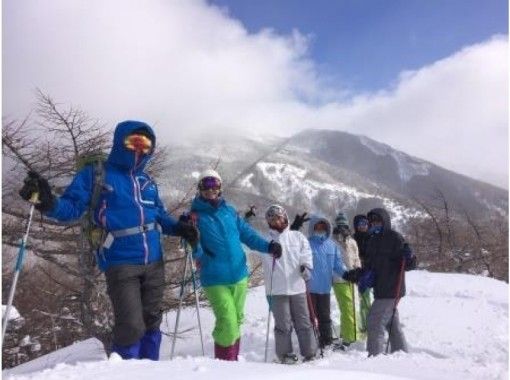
(327, 263)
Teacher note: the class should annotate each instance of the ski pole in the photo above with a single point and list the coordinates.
(195, 290)
(19, 264)
(354, 312)
(181, 296)
(313, 319)
(397, 298)
(269, 310)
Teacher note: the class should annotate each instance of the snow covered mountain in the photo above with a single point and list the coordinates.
(456, 326)
(324, 172)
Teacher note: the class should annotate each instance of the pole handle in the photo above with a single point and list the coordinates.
(34, 199)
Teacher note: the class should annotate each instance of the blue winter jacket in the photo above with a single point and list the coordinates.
(129, 198)
(221, 256)
(327, 258)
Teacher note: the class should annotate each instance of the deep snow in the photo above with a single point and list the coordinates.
(456, 325)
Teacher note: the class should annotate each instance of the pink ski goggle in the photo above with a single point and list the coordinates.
(209, 183)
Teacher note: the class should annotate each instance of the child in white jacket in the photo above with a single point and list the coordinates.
(284, 279)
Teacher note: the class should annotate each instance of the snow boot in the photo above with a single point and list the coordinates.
(225, 353)
(149, 348)
(310, 358)
(128, 352)
(237, 348)
(289, 359)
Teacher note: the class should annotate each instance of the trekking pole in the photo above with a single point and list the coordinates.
(353, 294)
(195, 290)
(269, 310)
(397, 298)
(314, 320)
(181, 296)
(19, 264)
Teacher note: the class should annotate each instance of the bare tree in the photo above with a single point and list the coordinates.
(450, 239)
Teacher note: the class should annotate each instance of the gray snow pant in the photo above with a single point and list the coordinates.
(136, 292)
(289, 311)
(379, 320)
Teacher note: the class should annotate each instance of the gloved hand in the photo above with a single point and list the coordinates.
(367, 280)
(250, 213)
(298, 222)
(352, 275)
(306, 273)
(185, 218)
(188, 232)
(410, 259)
(406, 251)
(34, 183)
(275, 249)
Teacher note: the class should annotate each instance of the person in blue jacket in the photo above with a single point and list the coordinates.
(327, 263)
(132, 216)
(222, 261)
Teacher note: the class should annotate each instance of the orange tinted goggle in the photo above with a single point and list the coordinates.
(138, 143)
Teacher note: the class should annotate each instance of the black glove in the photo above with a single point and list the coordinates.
(298, 222)
(34, 183)
(185, 218)
(188, 232)
(410, 259)
(306, 273)
(352, 275)
(275, 249)
(250, 213)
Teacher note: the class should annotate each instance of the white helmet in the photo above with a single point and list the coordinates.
(209, 173)
(274, 211)
(209, 179)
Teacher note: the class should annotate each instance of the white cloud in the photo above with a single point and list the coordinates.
(187, 66)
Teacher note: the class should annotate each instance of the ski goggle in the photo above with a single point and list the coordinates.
(209, 183)
(138, 143)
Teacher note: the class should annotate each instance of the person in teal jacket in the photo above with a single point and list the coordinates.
(222, 261)
(327, 263)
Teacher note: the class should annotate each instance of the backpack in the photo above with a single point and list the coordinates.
(91, 231)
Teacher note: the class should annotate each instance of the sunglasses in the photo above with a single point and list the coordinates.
(209, 183)
(362, 223)
(138, 143)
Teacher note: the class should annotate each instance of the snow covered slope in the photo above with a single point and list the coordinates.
(456, 325)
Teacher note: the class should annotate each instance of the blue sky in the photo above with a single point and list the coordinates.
(427, 77)
(364, 44)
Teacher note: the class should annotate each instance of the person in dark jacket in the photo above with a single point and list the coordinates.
(360, 223)
(388, 256)
(132, 216)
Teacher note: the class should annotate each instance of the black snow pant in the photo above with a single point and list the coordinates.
(322, 308)
(136, 292)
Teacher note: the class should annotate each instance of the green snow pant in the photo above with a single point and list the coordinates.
(344, 293)
(227, 302)
(365, 300)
